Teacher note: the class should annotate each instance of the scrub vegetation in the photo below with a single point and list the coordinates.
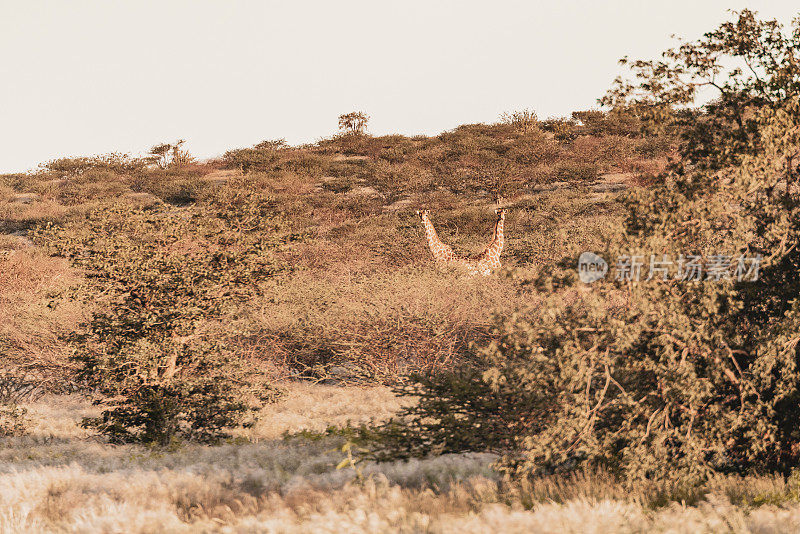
(262, 342)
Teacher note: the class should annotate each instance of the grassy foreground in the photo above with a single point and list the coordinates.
(61, 478)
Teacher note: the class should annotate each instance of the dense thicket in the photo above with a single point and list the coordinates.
(667, 377)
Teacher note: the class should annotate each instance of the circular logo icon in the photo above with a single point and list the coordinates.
(591, 267)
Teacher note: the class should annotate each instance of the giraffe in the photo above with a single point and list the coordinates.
(484, 263)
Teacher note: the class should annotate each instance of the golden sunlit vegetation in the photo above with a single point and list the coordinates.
(262, 342)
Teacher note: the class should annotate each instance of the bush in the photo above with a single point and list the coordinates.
(660, 379)
(16, 386)
(166, 155)
(74, 167)
(179, 187)
(378, 328)
(12, 420)
(180, 192)
(617, 122)
(524, 121)
(564, 130)
(162, 278)
(353, 123)
(263, 158)
(569, 170)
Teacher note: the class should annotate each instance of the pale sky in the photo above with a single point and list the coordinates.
(91, 77)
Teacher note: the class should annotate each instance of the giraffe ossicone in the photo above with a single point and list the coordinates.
(484, 263)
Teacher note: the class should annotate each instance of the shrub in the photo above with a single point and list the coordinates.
(15, 387)
(166, 155)
(15, 182)
(659, 379)
(173, 186)
(353, 123)
(180, 192)
(616, 122)
(377, 328)
(251, 159)
(524, 121)
(12, 420)
(564, 130)
(73, 167)
(145, 350)
(575, 170)
(534, 149)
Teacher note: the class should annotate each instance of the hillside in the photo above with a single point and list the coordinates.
(358, 252)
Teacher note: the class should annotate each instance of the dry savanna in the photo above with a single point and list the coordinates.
(320, 338)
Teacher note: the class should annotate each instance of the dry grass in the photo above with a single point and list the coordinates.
(382, 325)
(62, 478)
(30, 322)
(15, 216)
(365, 294)
(315, 407)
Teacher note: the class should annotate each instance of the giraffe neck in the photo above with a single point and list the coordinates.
(440, 250)
(494, 249)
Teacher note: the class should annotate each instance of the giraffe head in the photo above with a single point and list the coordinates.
(501, 213)
(422, 213)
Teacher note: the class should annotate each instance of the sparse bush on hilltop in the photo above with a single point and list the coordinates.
(353, 123)
(166, 155)
(524, 121)
(116, 163)
(563, 130)
(614, 122)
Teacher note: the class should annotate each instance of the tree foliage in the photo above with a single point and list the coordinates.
(524, 120)
(742, 66)
(353, 123)
(166, 155)
(659, 378)
(163, 280)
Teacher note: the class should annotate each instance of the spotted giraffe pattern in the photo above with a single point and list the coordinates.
(483, 264)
